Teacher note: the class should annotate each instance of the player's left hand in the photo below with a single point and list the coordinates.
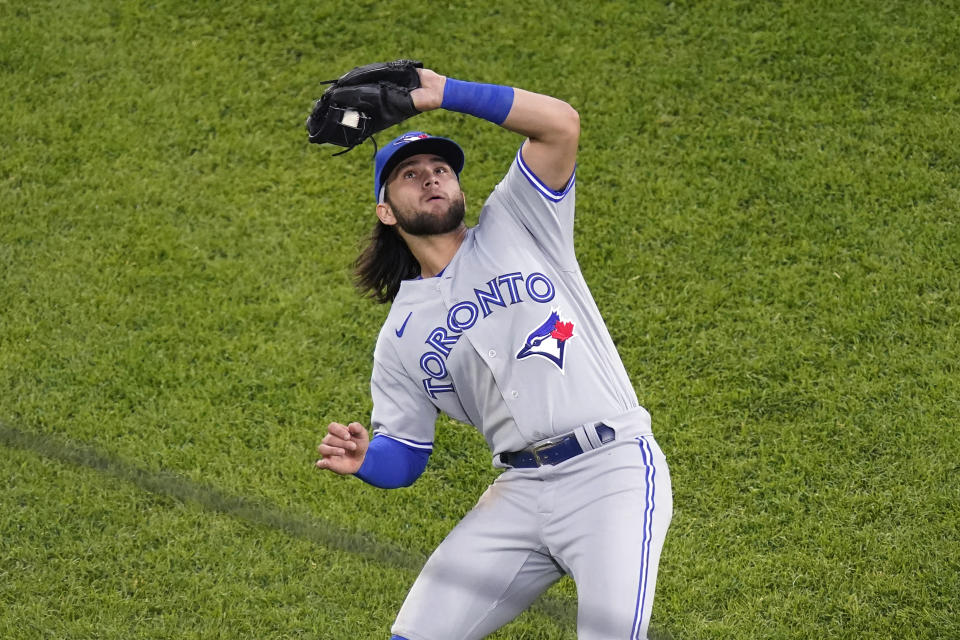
(429, 95)
(364, 101)
(343, 448)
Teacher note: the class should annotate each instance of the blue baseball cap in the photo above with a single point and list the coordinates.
(410, 144)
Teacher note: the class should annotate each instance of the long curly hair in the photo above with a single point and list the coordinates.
(384, 263)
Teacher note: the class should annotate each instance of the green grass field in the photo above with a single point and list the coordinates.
(768, 217)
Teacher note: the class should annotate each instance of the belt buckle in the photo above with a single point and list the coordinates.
(540, 447)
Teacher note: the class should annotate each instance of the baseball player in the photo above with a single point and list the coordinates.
(494, 325)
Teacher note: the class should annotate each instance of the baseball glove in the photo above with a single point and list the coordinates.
(364, 101)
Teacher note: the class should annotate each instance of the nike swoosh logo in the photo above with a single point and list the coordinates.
(399, 331)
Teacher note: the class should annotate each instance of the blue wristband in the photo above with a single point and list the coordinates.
(488, 101)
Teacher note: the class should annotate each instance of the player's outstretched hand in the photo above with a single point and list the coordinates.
(429, 95)
(343, 448)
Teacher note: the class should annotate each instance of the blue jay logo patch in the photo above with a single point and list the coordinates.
(410, 137)
(549, 340)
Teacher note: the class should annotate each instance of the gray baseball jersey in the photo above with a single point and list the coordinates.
(507, 338)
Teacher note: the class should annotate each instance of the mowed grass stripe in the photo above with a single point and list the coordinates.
(256, 513)
(174, 486)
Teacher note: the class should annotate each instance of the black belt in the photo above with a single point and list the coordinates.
(554, 451)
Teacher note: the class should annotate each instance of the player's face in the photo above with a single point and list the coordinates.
(424, 194)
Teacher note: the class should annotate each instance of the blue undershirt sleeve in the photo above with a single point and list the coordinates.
(390, 464)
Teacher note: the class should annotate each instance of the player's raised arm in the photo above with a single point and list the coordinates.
(552, 126)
